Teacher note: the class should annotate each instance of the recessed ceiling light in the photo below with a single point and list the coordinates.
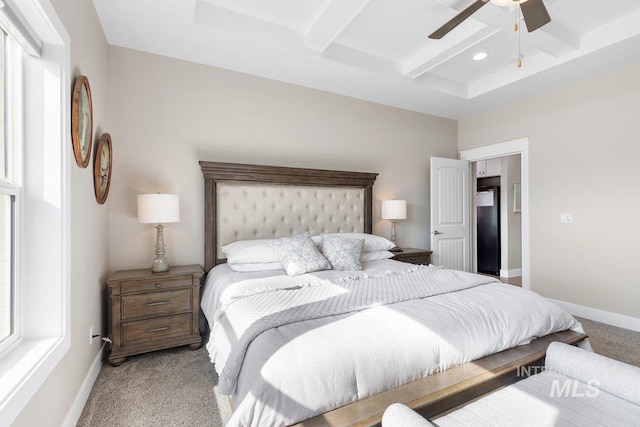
(480, 56)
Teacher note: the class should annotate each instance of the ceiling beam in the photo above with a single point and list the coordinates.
(332, 21)
(552, 39)
(362, 60)
(439, 52)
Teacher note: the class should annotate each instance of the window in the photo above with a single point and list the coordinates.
(35, 315)
(10, 54)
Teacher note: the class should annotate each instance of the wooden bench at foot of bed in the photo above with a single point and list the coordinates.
(444, 391)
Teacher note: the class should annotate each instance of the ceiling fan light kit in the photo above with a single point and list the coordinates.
(506, 3)
(534, 13)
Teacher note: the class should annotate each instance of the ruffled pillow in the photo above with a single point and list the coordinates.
(299, 255)
(343, 253)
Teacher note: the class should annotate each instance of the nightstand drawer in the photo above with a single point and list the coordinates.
(159, 328)
(415, 259)
(156, 303)
(155, 284)
(414, 256)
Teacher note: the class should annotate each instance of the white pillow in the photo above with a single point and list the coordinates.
(376, 256)
(372, 243)
(256, 266)
(254, 251)
(343, 253)
(299, 254)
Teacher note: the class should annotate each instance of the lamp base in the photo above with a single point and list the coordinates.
(160, 265)
(393, 237)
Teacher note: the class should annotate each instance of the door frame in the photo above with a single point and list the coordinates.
(502, 149)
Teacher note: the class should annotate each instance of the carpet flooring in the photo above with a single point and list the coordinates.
(176, 387)
(616, 343)
(172, 387)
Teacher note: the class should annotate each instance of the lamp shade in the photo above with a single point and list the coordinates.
(394, 209)
(158, 208)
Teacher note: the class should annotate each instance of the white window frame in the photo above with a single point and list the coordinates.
(16, 192)
(42, 273)
(12, 184)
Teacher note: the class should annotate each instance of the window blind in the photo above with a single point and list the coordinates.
(12, 22)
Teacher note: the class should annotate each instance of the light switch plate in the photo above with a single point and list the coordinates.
(566, 218)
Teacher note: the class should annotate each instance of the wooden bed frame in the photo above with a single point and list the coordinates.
(431, 396)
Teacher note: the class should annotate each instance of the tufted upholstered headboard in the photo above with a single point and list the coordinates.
(243, 202)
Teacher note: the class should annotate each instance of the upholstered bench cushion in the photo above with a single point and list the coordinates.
(546, 399)
(398, 415)
(606, 374)
(577, 388)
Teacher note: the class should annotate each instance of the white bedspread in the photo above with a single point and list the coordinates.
(391, 324)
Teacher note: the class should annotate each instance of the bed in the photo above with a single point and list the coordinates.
(305, 347)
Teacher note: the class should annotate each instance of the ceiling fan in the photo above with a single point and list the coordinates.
(534, 13)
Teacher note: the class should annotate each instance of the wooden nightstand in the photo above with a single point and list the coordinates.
(153, 311)
(413, 256)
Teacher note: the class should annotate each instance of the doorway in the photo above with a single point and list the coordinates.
(497, 218)
(515, 147)
(487, 224)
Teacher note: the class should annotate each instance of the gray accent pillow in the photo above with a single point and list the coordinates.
(343, 253)
(299, 255)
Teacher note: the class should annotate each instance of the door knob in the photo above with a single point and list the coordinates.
(437, 232)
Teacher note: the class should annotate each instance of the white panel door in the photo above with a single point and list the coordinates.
(450, 213)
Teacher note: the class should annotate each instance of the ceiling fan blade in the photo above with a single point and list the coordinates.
(535, 14)
(458, 19)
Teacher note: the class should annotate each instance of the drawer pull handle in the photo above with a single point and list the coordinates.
(158, 285)
(165, 328)
(153, 304)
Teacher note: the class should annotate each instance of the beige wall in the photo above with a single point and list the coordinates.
(583, 155)
(165, 115)
(52, 402)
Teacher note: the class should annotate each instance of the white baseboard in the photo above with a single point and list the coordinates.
(511, 273)
(614, 319)
(83, 394)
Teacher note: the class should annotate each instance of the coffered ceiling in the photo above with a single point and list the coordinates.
(378, 50)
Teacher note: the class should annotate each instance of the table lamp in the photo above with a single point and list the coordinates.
(394, 210)
(159, 209)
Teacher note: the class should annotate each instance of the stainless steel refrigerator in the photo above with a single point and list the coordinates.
(488, 246)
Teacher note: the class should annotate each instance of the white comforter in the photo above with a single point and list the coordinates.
(304, 364)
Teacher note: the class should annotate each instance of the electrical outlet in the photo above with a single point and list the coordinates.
(91, 335)
(566, 218)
